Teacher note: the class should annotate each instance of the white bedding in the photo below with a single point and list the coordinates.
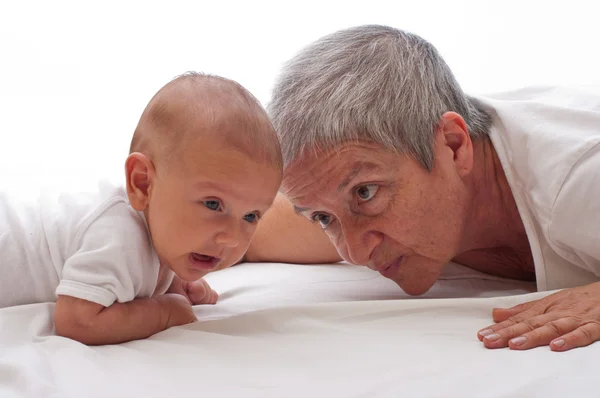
(282, 330)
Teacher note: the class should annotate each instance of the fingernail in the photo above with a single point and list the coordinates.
(559, 342)
(519, 340)
(492, 337)
(485, 332)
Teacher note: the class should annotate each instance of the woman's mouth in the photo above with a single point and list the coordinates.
(390, 269)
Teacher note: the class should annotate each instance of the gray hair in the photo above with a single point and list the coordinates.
(372, 83)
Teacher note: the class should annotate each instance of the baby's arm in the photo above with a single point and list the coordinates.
(101, 297)
(93, 324)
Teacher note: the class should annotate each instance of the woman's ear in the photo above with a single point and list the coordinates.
(457, 139)
(139, 173)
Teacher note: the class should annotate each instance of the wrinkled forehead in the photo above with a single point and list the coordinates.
(329, 171)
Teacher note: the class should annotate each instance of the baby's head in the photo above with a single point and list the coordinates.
(204, 166)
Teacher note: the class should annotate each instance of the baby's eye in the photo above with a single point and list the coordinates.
(212, 204)
(251, 217)
(366, 192)
(321, 218)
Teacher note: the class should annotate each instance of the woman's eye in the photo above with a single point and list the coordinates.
(367, 192)
(212, 204)
(323, 219)
(251, 217)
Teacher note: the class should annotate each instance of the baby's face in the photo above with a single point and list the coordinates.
(203, 211)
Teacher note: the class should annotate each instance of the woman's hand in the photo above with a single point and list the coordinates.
(564, 320)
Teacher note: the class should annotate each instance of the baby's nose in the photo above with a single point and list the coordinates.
(228, 239)
(229, 236)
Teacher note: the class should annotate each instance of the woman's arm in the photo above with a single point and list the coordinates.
(286, 237)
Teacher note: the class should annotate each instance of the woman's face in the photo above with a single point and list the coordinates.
(384, 210)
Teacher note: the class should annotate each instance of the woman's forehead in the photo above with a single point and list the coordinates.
(342, 158)
(335, 170)
(339, 155)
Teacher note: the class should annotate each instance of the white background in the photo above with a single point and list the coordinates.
(75, 76)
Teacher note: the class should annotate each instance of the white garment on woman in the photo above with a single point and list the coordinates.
(548, 141)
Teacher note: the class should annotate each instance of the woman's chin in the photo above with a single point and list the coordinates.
(417, 288)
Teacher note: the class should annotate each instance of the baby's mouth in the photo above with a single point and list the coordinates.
(202, 257)
(204, 261)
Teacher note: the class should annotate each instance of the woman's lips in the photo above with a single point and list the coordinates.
(390, 269)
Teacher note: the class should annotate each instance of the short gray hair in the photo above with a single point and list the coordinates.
(372, 83)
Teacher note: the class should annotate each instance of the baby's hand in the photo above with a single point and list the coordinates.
(200, 292)
(175, 310)
(197, 292)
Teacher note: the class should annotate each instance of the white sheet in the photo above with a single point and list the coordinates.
(284, 330)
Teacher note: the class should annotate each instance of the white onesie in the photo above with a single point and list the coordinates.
(91, 245)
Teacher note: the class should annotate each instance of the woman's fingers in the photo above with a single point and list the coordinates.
(522, 314)
(498, 335)
(582, 336)
(563, 320)
(502, 314)
(543, 335)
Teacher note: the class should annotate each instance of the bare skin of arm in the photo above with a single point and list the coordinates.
(286, 237)
(93, 324)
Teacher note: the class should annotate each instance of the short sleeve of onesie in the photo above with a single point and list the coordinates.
(112, 260)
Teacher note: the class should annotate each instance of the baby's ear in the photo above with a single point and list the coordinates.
(139, 172)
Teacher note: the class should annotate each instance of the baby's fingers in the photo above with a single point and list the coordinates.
(200, 292)
(211, 297)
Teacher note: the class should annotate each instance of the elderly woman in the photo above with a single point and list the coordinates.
(405, 173)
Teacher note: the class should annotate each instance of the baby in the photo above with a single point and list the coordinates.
(124, 263)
